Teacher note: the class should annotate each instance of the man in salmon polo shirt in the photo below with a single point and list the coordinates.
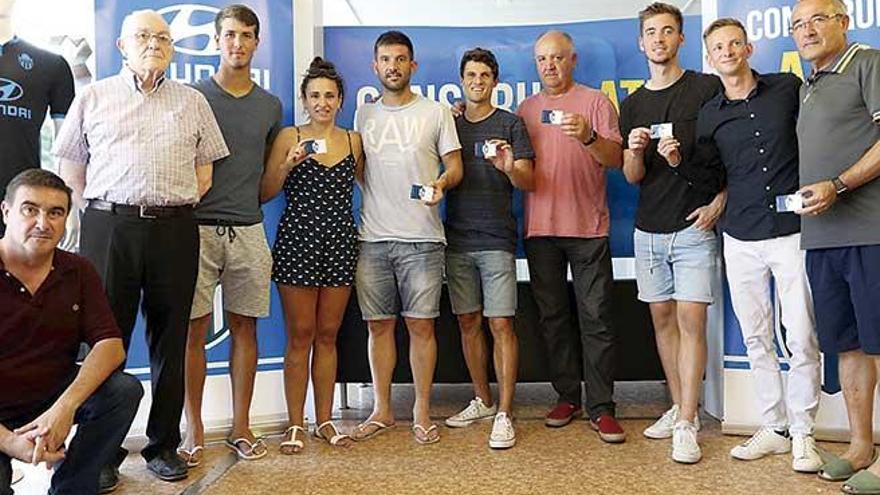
(575, 136)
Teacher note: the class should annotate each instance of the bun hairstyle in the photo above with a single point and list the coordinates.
(320, 68)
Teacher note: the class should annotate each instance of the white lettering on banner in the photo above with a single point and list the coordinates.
(189, 73)
(775, 22)
(504, 96)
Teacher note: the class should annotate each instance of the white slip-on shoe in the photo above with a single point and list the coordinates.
(475, 411)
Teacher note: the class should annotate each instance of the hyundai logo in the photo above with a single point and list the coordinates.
(192, 27)
(10, 90)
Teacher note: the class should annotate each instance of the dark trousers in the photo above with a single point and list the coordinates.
(157, 259)
(587, 349)
(103, 421)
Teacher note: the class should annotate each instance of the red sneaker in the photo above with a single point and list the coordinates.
(609, 429)
(562, 414)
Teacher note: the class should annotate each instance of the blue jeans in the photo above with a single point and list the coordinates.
(676, 266)
(412, 270)
(482, 279)
(103, 421)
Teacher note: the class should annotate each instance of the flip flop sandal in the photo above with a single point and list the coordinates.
(251, 454)
(426, 436)
(291, 441)
(362, 433)
(862, 483)
(333, 440)
(191, 457)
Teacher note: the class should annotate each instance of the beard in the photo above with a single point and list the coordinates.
(398, 85)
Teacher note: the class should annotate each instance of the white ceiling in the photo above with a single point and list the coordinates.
(481, 12)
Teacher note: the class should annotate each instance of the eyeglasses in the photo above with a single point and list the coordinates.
(144, 37)
(817, 21)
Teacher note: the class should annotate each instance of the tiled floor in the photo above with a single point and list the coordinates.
(559, 461)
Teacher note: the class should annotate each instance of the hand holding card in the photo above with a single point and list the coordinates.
(421, 193)
(786, 203)
(315, 146)
(553, 117)
(659, 131)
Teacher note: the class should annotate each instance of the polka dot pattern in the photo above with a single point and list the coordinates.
(316, 245)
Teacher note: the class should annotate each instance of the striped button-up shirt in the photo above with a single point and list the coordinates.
(140, 148)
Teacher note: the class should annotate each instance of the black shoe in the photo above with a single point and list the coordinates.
(167, 466)
(108, 479)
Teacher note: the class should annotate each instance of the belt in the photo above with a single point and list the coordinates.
(141, 211)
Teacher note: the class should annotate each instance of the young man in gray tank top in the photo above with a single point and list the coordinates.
(233, 253)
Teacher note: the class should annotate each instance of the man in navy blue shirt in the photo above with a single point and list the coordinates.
(481, 237)
(753, 125)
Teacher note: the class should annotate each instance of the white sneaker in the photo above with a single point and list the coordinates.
(804, 457)
(475, 411)
(764, 442)
(662, 428)
(503, 435)
(685, 448)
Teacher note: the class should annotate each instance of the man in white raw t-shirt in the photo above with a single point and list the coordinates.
(405, 136)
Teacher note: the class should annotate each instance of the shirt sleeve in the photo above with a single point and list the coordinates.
(62, 90)
(520, 141)
(448, 139)
(71, 143)
(211, 146)
(605, 120)
(97, 320)
(869, 79)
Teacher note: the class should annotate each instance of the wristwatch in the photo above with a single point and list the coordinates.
(592, 139)
(839, 186)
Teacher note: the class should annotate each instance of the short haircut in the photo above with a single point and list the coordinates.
(722, 23)
(836, 5)
(567, 37)
(659, 8)
(394, 38)
(322, 69)
(127, 27)
(241, 13)
(36, 177)
(482, 56)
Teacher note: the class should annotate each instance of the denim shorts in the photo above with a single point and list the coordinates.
(676, 266)
(493, 271)
(845, 283)
(414, 270)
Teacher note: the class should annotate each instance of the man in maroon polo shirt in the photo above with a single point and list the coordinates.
(50, 302)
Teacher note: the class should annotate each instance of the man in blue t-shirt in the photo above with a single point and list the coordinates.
(481, 240)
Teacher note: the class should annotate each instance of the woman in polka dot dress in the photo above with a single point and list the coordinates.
(315, 252)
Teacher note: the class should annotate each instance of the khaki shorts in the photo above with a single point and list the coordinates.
(240, 262)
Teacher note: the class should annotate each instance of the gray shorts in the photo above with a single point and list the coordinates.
(412, 269)
(240, 263)
(493, 271)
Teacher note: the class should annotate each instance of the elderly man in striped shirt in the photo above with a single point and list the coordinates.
(138, 151)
